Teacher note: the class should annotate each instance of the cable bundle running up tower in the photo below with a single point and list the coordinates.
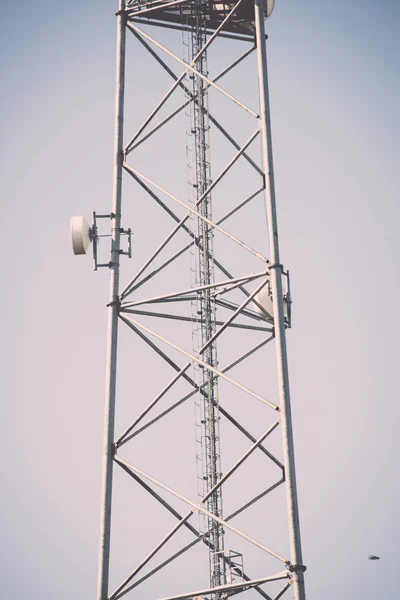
(204, 307)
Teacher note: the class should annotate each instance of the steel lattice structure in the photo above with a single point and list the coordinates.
(217, 304)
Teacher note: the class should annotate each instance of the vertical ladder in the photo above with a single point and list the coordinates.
(204, 307)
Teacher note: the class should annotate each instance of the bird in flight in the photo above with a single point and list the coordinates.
(373, 557)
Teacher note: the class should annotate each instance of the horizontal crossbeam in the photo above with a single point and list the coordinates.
(190, 319)
(243, 585)
(227, 283)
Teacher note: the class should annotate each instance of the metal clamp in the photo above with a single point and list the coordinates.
(127, 232)
(295, 568)
(287, 298)
(276, 266)
(95, 237)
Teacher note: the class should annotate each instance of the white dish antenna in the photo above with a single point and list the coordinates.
(81, 235)
(268, 7)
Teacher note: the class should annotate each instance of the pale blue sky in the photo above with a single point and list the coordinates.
(335, 95)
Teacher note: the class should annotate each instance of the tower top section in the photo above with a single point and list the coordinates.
(183, 13)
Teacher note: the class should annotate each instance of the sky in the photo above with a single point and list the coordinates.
(335, 91)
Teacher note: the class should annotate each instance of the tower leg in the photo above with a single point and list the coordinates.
(112, 336)
(279, 323)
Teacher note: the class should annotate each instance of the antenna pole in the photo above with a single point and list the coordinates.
(113, 309)
(297, 567)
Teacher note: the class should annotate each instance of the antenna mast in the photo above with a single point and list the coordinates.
(249, 294)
